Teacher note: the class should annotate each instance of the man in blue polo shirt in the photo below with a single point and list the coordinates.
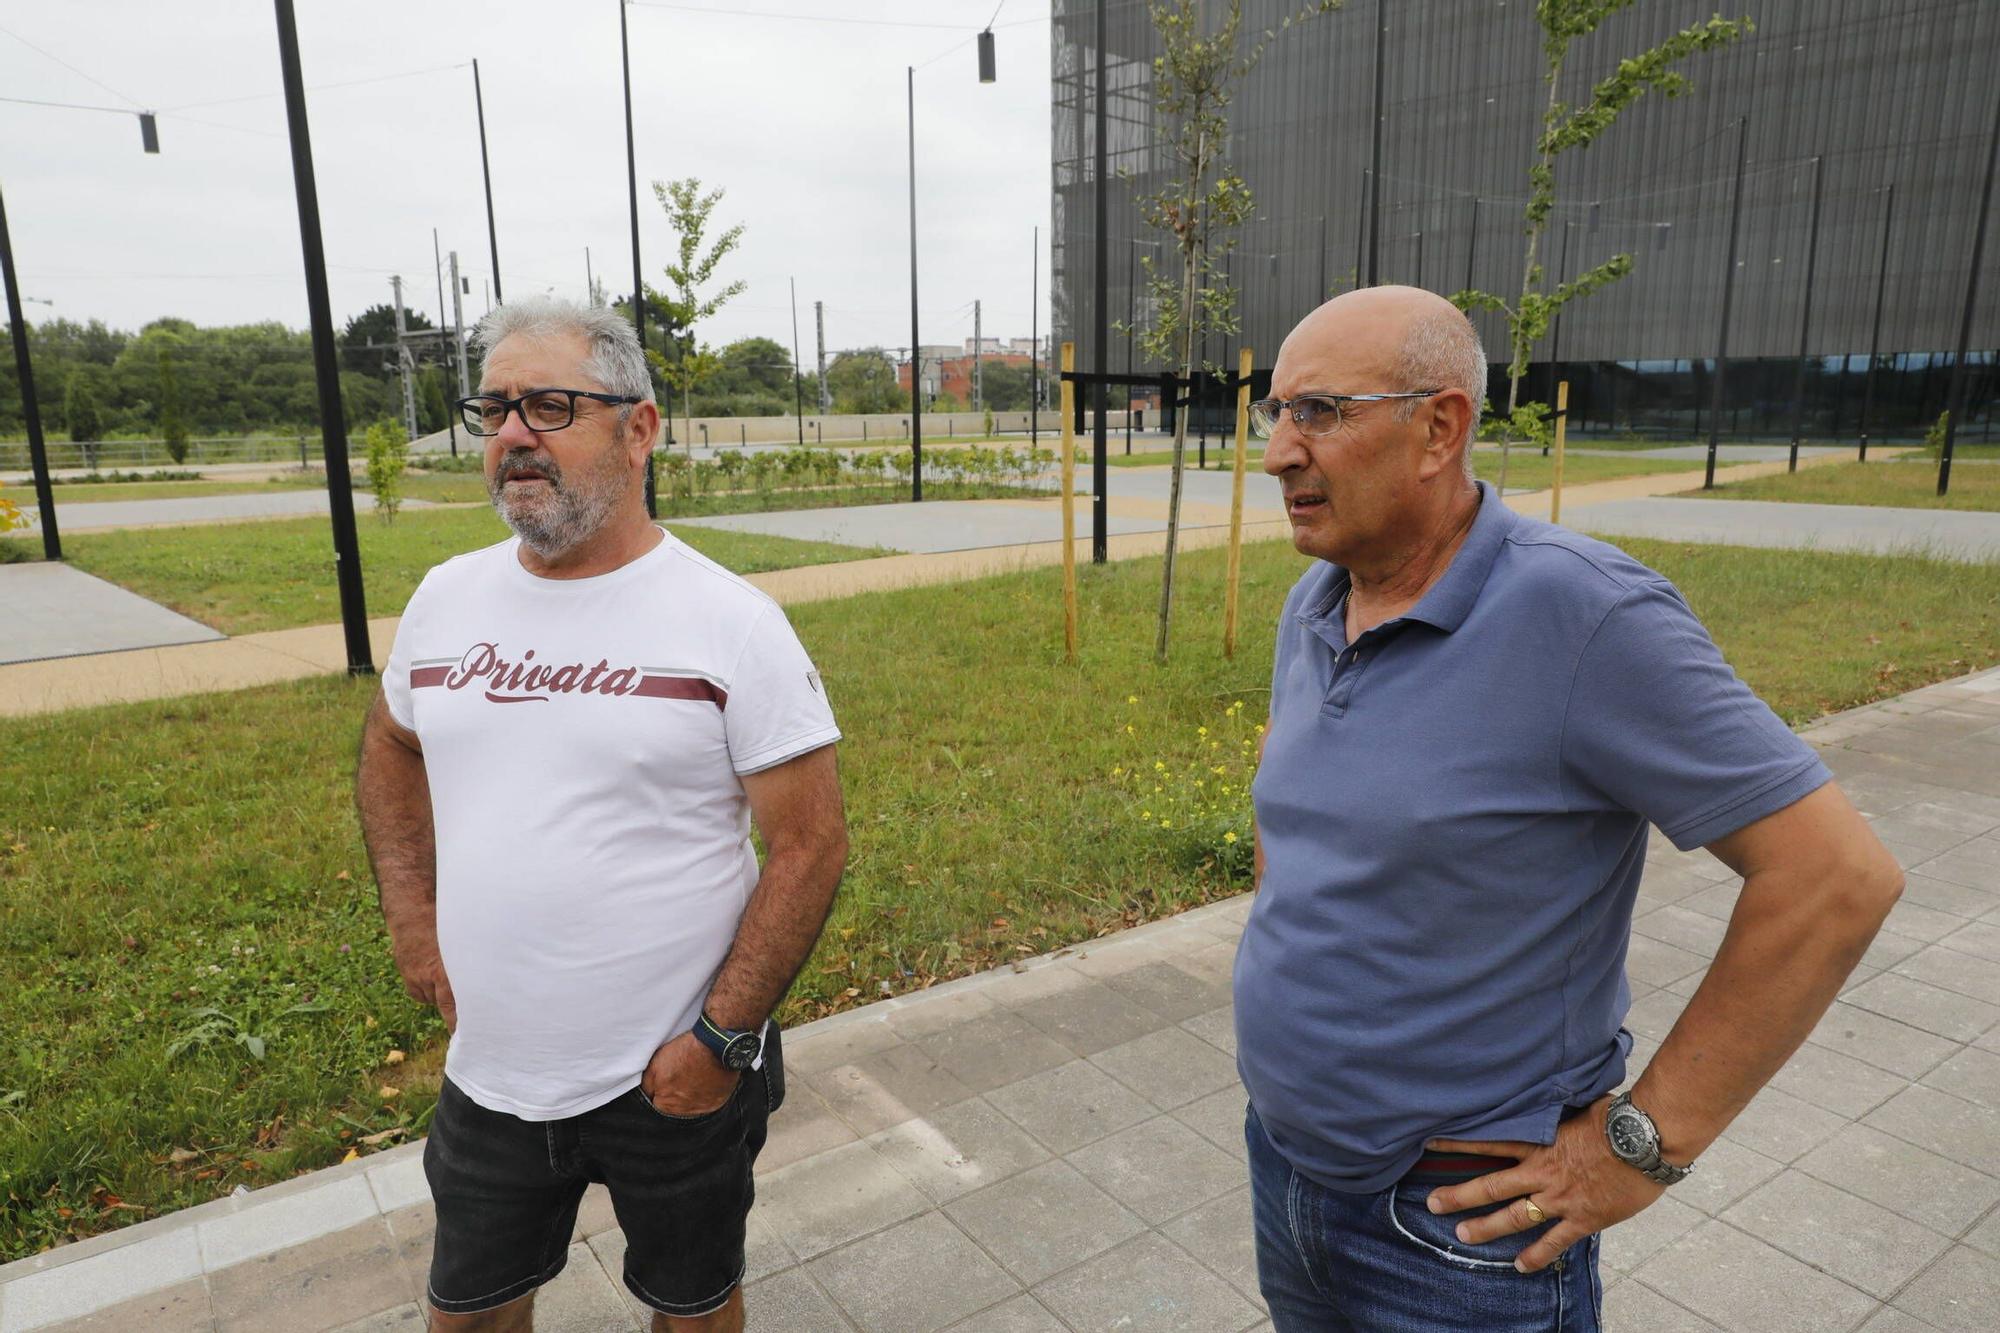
(1474, 719)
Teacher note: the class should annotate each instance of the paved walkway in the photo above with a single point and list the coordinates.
(53, 610)
(303, 501)
(1058, 1145)
(1951, 534)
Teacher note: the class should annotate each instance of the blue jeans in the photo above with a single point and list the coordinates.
(1330, 1262)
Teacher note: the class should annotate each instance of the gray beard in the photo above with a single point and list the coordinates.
(571, 509)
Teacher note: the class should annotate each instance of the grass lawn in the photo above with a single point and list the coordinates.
(439, 487)
(246, 577)
(190, 872)
(1906, 485)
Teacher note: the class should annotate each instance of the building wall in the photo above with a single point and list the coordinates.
(1884, 91)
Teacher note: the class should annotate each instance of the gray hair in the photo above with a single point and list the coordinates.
(615, 359)
(1442, 351)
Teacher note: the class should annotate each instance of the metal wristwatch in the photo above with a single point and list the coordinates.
(1635, 1140)
(736, 1050)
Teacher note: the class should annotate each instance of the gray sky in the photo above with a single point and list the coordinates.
(802, 122)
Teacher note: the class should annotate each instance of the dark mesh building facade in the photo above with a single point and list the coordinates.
(1895, 96)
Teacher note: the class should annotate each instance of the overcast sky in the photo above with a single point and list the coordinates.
(802, 122)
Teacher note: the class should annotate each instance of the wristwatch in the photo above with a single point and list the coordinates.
(736, 1050)
(1635, 1140)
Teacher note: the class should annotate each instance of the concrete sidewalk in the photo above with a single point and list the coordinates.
(1948, 534)
(1058, 1145)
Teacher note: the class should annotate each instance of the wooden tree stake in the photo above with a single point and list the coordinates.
(1069, 502)
(1243, 363)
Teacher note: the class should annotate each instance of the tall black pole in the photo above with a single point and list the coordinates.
(1875, 338)
(916, 344)
(1375, 156)
(38, 454)
(1728, 295)
(1805, 322)
(638, 276)
(1099, 465)
(1955, 397)
(493, 237)
(1471, 242)
(798, 380)
(1131, 318)
(1321, 293)
(1035, 337)
(444, 325)
(326, 370)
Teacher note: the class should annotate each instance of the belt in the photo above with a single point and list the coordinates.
(1454, 1168)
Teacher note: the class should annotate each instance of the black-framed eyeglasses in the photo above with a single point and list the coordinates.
(541, 410)
(1315, 413)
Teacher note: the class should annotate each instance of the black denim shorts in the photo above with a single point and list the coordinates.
(506, 1192)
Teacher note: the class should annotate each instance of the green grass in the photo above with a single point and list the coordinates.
(1900, 484)
(145, 848)
(437, 487)
(246, 577)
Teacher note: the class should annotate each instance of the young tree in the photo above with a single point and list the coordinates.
(1202, 203)
(692, 362)
(173, 427)
(388, 455)
(1565, 128)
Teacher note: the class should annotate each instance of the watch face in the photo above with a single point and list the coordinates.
(1629, 1137)
(741, 1052)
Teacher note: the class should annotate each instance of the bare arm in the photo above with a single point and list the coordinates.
(1817, 884)
(798, 809)
(392, 793)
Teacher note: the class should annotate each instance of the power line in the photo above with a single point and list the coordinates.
(73, 69)
(316, 88)
(68, 106)
(797, 18)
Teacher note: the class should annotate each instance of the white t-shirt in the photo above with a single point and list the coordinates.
(583, 740)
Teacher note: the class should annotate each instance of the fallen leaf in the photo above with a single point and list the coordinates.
(343, 875)
(180, 1156)
(352, 1153)
(393, 1058)
(389, 1093)
(373, 1140)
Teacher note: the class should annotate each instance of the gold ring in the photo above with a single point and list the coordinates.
(1535, 1214)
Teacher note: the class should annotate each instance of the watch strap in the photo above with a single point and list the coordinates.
(1651, 1165)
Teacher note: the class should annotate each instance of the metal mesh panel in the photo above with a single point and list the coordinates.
(1885, 90)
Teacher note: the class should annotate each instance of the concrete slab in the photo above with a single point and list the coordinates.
(203, 509)
(55, 610)
(932, 526)
(1946, 533)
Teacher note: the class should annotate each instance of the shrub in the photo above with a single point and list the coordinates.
(1934, 437)
(388, 455)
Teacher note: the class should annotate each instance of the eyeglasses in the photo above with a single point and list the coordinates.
(541, 410)
(1315, 413)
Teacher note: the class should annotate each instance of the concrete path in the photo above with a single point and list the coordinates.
(1058, 1145)
(1725, 453)
(103, 514)
(1952, 534)
(55, 610)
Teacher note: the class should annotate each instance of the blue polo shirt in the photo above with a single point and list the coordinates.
(1454, 811)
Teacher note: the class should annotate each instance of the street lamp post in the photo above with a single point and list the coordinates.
(326, 370)
(638, 276)
(1805, 322)
(486, 172)
(1728, 294)
(38, 455)
(916, 342)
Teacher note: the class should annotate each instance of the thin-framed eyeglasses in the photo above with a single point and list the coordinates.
(1315, 413)
(542, 410)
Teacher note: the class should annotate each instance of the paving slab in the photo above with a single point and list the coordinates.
(101, 515)
(1948, 534)
(1108, 1188)
(54, 610)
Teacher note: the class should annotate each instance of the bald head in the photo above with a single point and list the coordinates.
(1387, 340)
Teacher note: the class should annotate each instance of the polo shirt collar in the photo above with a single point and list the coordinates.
(1450, 600)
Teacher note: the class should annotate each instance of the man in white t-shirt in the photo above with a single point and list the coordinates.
(576, 729)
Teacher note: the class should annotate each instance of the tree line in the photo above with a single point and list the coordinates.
(175, 380)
